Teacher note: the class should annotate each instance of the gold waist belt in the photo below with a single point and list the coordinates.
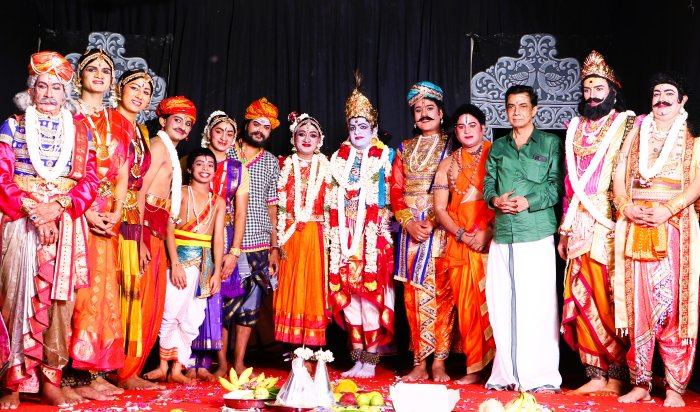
(130, 201)
(43, 190)
(158, 201)
(105, 189)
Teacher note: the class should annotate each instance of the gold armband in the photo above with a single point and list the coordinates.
(404, 216)
(676, 204)
(235, 251)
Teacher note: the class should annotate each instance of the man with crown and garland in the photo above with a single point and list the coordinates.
(655, 184)
(427, 294)
(361, 246)
(259, 261)
(587, 231)
(47, 181)
(159, 198)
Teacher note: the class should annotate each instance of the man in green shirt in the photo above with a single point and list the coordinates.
(524, 180)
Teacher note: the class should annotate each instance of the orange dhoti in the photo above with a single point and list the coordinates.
(152, 285)
(98, 338)
(300, 302)
(588, 319)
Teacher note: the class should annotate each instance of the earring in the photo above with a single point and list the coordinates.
(442, 120)
(317, 151)
(77, 86)
(113, 101)
(415, 126)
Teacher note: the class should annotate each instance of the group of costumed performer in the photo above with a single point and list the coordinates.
(48, 179)
(301, 300)
(361, 248)
(427, 294)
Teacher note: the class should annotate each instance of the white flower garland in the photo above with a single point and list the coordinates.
(645, 133)
(320, 173)
(31, 134)
(369, 195)
(324, 356)
(303, 353)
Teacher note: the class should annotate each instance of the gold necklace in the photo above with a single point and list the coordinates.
(579, 148)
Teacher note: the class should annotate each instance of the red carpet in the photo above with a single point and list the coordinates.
(208, 397)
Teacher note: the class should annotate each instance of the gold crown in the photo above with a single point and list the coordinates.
(358, 105)
(595, 65)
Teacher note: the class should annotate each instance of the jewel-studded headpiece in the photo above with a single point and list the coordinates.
(358, 105)
(595, 65)
(218, 116)
(296, 120)
(422, 90)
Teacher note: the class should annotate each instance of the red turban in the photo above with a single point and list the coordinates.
(177, 104)
(49, 61)
(263, 108)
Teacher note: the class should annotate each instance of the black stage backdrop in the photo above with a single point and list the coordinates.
(301, 53)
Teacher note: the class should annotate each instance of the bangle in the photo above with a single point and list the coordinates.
(621, 202)
(676, 204)
(235, 251)
(404, 216)
(460, 232)
(65, 201)
(274, 247)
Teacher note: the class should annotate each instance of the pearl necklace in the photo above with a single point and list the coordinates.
(31, 133)
(426, 158)
(647, 173)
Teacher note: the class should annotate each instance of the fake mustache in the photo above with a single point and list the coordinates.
(425, 118)
(48, 100)
(259, 134)
(662, 103)
(179, 130)
(594, 100)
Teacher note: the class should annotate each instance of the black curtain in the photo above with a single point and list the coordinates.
(301, 53)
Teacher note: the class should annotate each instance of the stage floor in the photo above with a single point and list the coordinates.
(207, 397)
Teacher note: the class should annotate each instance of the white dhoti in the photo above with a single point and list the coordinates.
(521, 296)
(183, 315)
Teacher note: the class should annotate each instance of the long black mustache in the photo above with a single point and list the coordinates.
(662, 103)
(594, 100)
(425, 118)
(248, 138)
(598, 111)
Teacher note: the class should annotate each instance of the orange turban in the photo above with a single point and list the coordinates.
(263, 108)
(49, 61)
(177, 104)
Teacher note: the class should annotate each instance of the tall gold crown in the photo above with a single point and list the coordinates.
(595, 65)
(358, 105)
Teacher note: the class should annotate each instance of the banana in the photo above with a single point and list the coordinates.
(516, 405)
(270, 382)
(233, 376)
(229, 386)
(243, 379)
(259, 378)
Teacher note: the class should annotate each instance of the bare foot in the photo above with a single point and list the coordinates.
(191, 373)
(71, 394)
(53, 395)
(220, 372)
(612, 388)
(352, 372)
(469, 378)
(592, 386)
(89, 392)
(204, 375)
(102, 385)
(673, 399)
(366, 371)
(419, 372)
(136, 383)
(635, 395)
(176, 375)
(438, 369)
(158, 374)
(10, 401)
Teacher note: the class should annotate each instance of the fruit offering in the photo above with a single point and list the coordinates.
(524, 402)
(243, 387)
